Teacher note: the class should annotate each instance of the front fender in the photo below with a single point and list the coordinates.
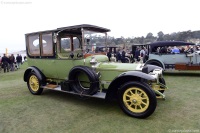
(126, 77)
(34, 69)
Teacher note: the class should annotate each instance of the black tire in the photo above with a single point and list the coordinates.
(154, 62)
(137, 100)
(89, 87)
(34, 84)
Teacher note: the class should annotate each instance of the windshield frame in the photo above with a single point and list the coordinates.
(86, 42)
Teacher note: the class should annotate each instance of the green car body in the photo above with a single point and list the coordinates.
(59, 59)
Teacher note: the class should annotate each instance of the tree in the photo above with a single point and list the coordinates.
(160, 36)
(149, 35)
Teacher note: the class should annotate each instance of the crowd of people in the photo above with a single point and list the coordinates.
(177, 49)
(140, 54)
(10, 63)
(119, 55)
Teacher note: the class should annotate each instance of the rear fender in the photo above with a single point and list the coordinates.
(126, 77)
(34, 69)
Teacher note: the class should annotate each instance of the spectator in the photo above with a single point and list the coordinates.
(169, 49)
(175, 50)
(142, 54)
(12, 61)
(190, 49)
(18, 58)
(146, 56)
(5, 61)
(182, 49)
(123, 56)
(137, 54)
(24, 58)
(0, 64)
(108, 54)
(118, 55)
(163, 50)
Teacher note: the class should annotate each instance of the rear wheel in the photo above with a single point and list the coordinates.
(137, 100)
(34, 84)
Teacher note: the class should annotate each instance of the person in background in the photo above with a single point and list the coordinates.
(182, 49)
(5, 61)
(190, 49)
(175, 50)
(0, 64)
(169, 50)
(146, 56)
(123, 56)
(118, 55)
(24, 58)
(18, 60)
(163, 50)
(12, 61)
(108, 54)
(142, 54)
(137, 54)
(0, 59)
(21, 59)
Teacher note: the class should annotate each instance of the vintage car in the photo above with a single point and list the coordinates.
(57, 61)
(186, 59)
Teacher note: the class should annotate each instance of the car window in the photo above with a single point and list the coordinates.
(47, 44)
(33, 45)
(65, 44)
(76, 43)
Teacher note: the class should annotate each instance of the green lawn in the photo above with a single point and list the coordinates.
(57, 112)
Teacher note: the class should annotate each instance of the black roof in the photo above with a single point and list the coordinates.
(85, 26)
(77, 29)
(169, 43)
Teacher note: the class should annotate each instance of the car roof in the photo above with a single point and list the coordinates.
(76, 28)
(170, 43)
(85, 26)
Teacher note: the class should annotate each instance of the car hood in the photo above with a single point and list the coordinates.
(120, 66)
(99, 58)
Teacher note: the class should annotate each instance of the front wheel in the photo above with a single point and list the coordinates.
(137, 100)
(34, 84)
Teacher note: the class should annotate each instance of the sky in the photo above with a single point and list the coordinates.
(127, 18)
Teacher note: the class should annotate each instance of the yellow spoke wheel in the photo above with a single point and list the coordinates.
(34, 83)
(136, 100)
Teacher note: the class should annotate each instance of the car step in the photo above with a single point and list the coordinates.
(100, 95)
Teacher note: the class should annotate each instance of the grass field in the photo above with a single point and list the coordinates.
(57, 112)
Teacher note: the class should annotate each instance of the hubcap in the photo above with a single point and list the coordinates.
(136, 100)
(34, 83)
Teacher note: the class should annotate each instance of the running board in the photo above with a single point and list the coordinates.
(100, 95)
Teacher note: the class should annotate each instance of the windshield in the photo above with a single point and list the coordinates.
(93, 39)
